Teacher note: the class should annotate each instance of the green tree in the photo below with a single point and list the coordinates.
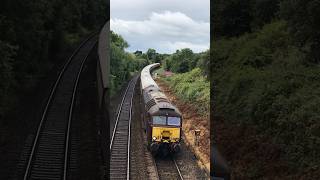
(231, 18)
(182, 61)
(36, 35)
(151, 54)
(123, 63)
(303, 18)
(204, 63)
(264, 11)
(118, 41)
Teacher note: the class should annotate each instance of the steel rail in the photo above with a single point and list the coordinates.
(179, 172)
(118, 115)
(159, 163)
(129, 133)
(49, 100)
(128, 99)
(71, 113)
(155, 167)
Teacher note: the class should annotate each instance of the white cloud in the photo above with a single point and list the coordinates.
(180, 45)
(165, 32)
(139, 9)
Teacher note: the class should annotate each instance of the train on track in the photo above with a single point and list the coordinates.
(163, 121)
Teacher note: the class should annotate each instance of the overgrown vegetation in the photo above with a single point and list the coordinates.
(33, 37)
(190, 81)
(124, 64)
(185, 60)
(192, 87)
(265, 72)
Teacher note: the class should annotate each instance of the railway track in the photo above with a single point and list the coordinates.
(167, 168)
(49, 156)
(120, 140)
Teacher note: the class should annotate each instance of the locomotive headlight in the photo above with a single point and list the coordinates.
(154, 138)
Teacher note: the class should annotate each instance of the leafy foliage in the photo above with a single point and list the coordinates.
(153, 56)
(185, 60)
(33, 36)
(231, 18)
(236, 17)
(192, 87)
(303, 18)
(190, 81)
(123, 64)
(261, 80)
(265, 72)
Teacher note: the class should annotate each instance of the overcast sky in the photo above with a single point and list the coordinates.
(165, 25)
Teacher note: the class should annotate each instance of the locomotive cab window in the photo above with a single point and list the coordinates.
(174, 121)
(159, 120)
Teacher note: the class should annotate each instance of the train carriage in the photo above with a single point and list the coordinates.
(163, 121)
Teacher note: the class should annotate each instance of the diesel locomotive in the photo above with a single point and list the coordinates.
(162, 120)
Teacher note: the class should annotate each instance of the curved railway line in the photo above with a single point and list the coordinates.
(120, 144)
(49, 156)
(143, 164)
(120, 140)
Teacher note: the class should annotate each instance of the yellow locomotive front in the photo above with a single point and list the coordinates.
(165, 133)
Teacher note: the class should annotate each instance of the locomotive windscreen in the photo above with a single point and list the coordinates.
(174, 121)
(159, 120)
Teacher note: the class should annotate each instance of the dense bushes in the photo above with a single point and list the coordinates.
(34, 37)
(190, 81)
(184, 60)
(192, 87)
(303, 19)
(261, 79)
(234, 18)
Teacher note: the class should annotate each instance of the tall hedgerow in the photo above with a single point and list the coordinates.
(261, 80)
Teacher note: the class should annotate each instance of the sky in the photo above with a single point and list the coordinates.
(164, 25)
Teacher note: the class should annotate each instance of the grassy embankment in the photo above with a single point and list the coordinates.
(192, 87)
